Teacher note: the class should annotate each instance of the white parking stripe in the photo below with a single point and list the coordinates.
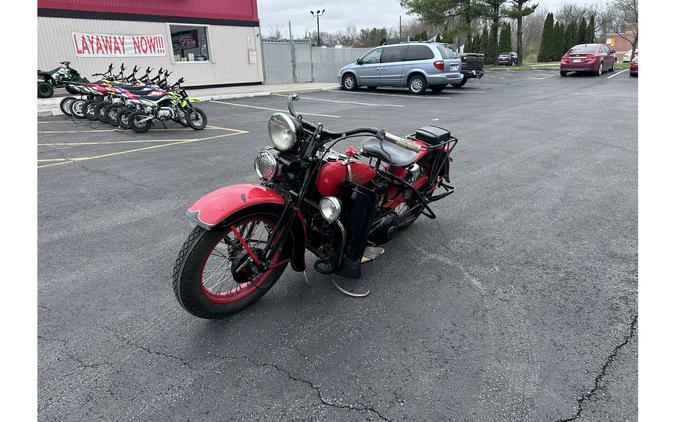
(618, 73)
(345, 102)
(273, 109)
(419, 97)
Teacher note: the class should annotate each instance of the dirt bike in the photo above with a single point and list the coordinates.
(55, 78)
(175, 105)
(341, 207)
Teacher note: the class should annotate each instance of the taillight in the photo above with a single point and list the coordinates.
(439, 64)
(565, 58)
(591, 57)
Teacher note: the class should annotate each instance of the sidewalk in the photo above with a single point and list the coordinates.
(50, 106)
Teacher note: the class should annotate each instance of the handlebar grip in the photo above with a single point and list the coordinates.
(403, 143)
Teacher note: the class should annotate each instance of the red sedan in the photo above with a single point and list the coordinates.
(596, 58)
(634, 66)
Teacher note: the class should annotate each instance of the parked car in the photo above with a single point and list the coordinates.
(596, 58)
(416, 65)
(634, 66)
(510, 58)
(627, 55)
(472, 67)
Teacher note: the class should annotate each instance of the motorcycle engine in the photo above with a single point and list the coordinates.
(165, 112)
(414, 173)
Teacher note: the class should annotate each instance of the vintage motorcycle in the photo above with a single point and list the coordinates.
(338, 206)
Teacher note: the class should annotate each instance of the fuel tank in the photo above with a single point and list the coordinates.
(331, 176)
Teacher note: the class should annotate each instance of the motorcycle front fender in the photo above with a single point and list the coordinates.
(228, 203)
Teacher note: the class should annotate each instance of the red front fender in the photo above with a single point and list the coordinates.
(216, 207)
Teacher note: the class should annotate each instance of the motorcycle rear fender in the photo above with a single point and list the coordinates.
(227, 204)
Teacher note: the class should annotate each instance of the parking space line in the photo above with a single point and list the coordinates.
(112, 154)
(345, 102)
(273, 109)
(617, 74)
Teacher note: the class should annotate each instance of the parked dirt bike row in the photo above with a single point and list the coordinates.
(133, 103)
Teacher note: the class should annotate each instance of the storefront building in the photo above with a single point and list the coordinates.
(207, 42)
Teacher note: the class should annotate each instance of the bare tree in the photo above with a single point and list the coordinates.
(276, 32)
(625, 22)
(533, 27)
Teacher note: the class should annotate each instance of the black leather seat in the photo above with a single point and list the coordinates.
(388, 152)
(47, 72)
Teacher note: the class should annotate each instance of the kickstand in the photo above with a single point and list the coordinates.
(347, 292)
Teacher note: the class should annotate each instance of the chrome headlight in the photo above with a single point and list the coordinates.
(282, 131)
(265, 165)
(330, 208)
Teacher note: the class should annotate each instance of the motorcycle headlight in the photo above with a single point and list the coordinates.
(283, 131)
(265, 165)
(330, 208)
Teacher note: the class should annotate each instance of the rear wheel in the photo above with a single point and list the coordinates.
(45, 89)
(214, 276)
(417, 84)
(139, 122)
(349, 82)
(65, 105)
(563, 73)
(601, 69)
(460, 83)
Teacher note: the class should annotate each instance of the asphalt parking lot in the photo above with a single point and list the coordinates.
(519, 303)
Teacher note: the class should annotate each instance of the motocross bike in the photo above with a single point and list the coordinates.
(48, 80)
(338, 206)
(175, 104)
(85, 90)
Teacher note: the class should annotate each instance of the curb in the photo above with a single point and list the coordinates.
(52, 107)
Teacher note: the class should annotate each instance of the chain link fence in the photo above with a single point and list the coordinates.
(297, 61)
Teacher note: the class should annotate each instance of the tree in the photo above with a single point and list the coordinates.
(493, 10)
(559, 47)
(519, 9)
(475, 44)
(590, 30)
(625, 14)
(581, 32)
(457, 15)
(546, 39)
(484, 41)
(571, 35)
(505, 38)
(371, 37)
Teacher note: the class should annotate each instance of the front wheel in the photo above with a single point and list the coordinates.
(214, 276)
(196, 118)
(139, 122)
(77, 108)
(349, 82)
(45, 89)
(65, 105)
(90, 110)
(601, 69)
(123, 118)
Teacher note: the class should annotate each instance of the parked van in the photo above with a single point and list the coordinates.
(416, 65)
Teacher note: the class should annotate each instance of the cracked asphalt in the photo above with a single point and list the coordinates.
(518, 303)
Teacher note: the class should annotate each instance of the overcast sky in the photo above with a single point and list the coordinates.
(339, 14)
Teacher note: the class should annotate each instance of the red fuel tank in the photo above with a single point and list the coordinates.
(331, 176)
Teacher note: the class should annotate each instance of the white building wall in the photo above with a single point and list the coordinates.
(228, 50)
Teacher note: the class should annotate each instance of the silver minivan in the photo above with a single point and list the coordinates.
(416, 65)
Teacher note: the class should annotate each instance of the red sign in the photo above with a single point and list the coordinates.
(102, 45)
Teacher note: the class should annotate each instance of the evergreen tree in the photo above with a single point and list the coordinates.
(475, 44)
(546, 39)
(492, 45)
(590, 30)
(505, 39)
(581, 32)
(559, 46)
(562, 41)
(484, 42)
(572, 40)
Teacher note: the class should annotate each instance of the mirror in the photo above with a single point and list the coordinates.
(612, 51)
(359, 61)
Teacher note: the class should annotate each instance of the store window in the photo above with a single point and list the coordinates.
(189, 43)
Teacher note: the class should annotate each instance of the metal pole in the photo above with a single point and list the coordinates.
(293, 64)
(318, 32)
(400, 28)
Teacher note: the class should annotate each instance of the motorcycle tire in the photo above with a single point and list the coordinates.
(123, 118)
(139, 127)
(197, 295)
(77, 108)
(45, 89)
(65, 105)
(196, 118)
(100, 111)
(180, 118)
(111, 114)
(89, 109)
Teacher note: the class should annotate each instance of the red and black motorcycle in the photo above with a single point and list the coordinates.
(340, 207)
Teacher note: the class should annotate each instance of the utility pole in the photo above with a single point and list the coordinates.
(317, 15)
(293, 63)
(400, 29)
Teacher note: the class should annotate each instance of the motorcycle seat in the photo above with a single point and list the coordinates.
(388, 152)
(47, 72)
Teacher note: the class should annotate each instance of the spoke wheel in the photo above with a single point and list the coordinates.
(214, 275)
